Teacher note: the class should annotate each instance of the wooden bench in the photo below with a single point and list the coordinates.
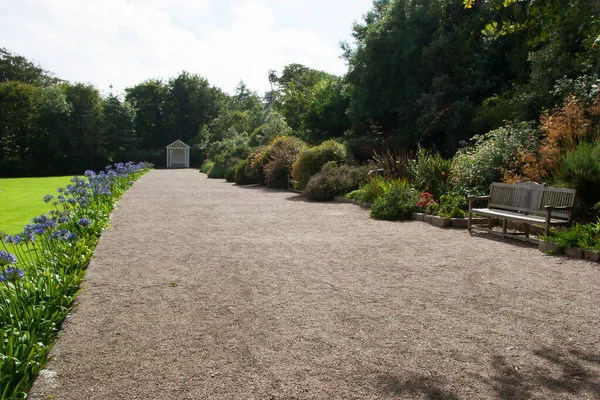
(291, 184)
(528, 203)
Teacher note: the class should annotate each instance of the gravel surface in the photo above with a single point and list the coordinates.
(201, 289)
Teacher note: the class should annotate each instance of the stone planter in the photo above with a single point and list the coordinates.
(427, 218)
(460, 223)
(549, 247)
(418, 216)
(440, 222)
(574, 252)
(592, 255)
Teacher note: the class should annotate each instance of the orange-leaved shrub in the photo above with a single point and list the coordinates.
(271, 164)
(563, 130)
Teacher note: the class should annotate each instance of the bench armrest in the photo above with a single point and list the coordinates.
(478, 197)
(473, 198)
(549, 207)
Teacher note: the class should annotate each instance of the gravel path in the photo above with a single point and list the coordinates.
(205, 290)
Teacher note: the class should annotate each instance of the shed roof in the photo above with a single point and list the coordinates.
(178, 143)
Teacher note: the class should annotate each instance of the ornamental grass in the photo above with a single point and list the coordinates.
(41, 270)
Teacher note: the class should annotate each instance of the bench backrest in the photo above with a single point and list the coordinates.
(531, 198)
(559, 197)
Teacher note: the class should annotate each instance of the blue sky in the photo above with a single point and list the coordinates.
(124, 42)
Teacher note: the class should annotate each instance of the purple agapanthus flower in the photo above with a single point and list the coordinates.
(85, 222)
(7, 258)
(15, 239)
(71, 237)
(48, 198)
(11, 274)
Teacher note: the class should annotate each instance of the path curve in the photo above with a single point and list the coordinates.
(201, 289)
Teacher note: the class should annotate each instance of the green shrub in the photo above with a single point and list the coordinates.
(580, 169)
(230, 173)
(334, 180)
(397, 203)
(585, 236)
(354, 195)
(453, 205)
(475, 168)
(311, 160)
(373, 188)
(278, 158)
(241, 178)
(226, 154)
(217, 171)
(393, 163)
(431, 172)
(256, 162)
(207, 166)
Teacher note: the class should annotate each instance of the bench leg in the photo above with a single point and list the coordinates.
(526, 230)
(503, 228)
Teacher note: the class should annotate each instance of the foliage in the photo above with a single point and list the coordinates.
(282, 154)
(241, 177)
(14, 67)
(334, 180)
(584, 236)
(396, 203)
(274, 125)
(453, 205)
(311, 160)
(428, 204)
(207, 166)
(271, 164)
(393, 163)
(226, 154)
(257, 160)
(217, 171)
(476, 167)
(580, 169)
(39, 282)
(230, 173)
(563, 130)
(431, 172)
(374, 187)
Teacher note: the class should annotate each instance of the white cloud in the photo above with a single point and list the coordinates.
(123, 42)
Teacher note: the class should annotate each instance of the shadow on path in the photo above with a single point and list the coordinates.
(416, 386)
(561, 373)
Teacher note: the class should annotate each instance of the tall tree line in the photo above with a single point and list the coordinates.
(52, 127)
(433, 73)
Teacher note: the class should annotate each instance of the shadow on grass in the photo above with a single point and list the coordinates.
(563, 373)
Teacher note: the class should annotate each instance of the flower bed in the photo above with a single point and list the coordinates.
(41, 270)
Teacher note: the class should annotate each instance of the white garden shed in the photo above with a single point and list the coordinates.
(178, 155)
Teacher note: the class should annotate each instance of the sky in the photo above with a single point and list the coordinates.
(125, 42)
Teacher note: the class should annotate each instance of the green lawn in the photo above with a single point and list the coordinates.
(23, 198)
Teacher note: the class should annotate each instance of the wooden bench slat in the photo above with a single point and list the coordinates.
(530, 203)
(516, 217)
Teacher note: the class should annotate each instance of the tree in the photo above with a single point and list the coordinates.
(295, 90)
(119, 129)
(19, 108)
(87, 141)
(14, 67)
(149, 102)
